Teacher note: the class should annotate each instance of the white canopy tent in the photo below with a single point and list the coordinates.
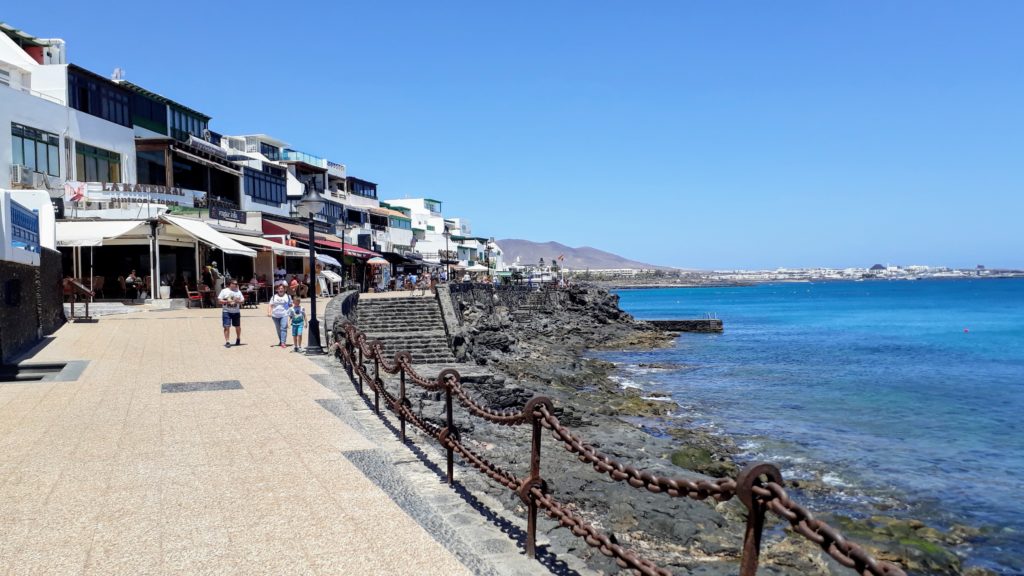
(78, 233)
(175, 230)
(204, 233)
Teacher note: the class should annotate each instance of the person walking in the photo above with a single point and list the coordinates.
(277, 309)
(231, 299)
(298, 318)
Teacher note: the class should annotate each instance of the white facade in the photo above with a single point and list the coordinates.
(428, 227)
(36, 97)
(70, 125)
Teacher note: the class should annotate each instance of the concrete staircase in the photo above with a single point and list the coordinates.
(411, 323)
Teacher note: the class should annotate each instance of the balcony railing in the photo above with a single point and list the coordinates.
(296, 156)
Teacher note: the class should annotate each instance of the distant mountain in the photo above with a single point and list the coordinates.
(575, 258)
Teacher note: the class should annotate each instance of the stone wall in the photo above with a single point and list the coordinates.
(30, 304)
(51, 293)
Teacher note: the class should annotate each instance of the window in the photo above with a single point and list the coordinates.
(96, 164)
(400, 223)
(5, 77)
(38, 150)
(362, 188)
(264, 188)
(149, 113)
(271, 152)
(151, 166)
(183, 124)
(99, 97)
(331, 211)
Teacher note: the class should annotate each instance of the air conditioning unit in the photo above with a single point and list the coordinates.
(21, 175)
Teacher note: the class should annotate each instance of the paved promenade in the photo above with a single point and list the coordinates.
(252, 468)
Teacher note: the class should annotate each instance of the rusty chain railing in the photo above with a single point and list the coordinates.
(759, 486)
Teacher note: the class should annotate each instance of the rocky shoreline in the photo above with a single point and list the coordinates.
(545, 353)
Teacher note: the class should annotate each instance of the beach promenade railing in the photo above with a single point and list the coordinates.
(759, 487)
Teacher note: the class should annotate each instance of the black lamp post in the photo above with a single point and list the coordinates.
(344, 229)
(308, 206)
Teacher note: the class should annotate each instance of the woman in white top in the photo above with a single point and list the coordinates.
(277, 309)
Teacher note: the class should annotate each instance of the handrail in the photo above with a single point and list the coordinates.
(76, 288)
(759, 486)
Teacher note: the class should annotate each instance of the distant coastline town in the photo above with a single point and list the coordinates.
(653, 278)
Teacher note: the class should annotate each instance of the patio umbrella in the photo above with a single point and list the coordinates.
(377, 261)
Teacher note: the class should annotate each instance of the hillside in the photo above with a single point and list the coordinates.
(574, 258)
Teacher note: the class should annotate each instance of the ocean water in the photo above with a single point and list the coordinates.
(906, 397)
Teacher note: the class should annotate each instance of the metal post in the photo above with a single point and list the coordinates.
(531, 518)
(376, 384)
(359, 369)
(313, 346)
(752, 540)
(756, 508)
(447, 253)
(344, 228)
(451, 431)
(401, 394)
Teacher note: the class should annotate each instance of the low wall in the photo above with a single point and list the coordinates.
(341, 307)
(30, 303)
(703, 325)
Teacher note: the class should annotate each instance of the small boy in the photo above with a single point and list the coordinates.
(298, 316)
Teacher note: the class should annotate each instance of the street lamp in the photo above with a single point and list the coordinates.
(344, 229)
(308, 206)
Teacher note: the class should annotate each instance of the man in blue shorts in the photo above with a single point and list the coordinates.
(231, 299)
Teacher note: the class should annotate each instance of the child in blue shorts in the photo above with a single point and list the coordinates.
(298, 317)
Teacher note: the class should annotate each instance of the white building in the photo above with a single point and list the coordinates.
(48, 142)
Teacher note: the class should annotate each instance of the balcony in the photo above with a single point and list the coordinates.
(288, 155)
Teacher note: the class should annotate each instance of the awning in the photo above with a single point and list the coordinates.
(94, 232)
(477, 268)
(357, 252)
(277, 247)
(329, 260)
(331, 276)
(201, 231)
(300, 233)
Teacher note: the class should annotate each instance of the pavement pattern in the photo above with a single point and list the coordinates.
(170, 454)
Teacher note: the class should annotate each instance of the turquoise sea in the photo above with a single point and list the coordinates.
(905, 396)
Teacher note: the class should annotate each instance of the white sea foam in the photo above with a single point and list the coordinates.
(625, 382)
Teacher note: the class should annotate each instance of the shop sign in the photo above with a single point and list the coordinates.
(228, 214)
(80, 192)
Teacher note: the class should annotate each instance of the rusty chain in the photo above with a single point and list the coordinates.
(720, 489)
(771, 494)
(594, 537)
(847, 553)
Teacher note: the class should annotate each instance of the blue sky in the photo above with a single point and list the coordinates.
(692, 134)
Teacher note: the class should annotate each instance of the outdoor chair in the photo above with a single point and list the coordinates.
(97, 286)
(124, 286)
(194, 296)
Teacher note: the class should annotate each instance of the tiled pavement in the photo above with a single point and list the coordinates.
(107, 474)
